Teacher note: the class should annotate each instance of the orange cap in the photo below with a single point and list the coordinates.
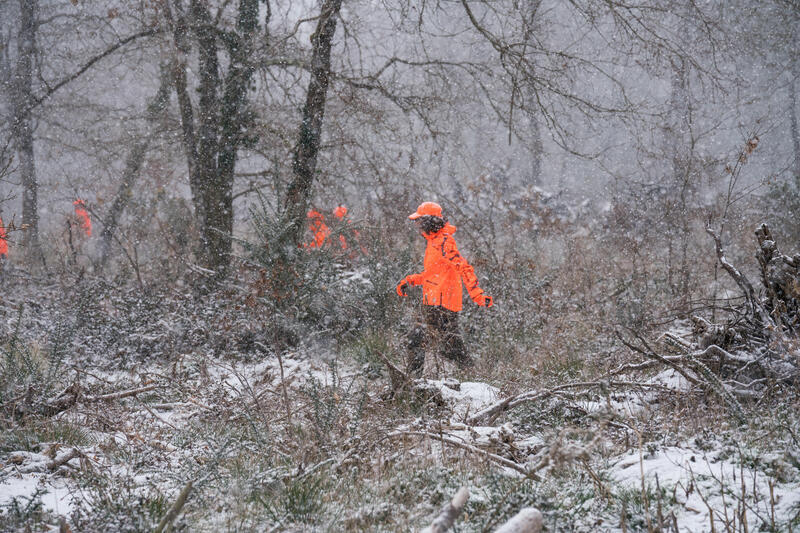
(427, 208)
(340, 211)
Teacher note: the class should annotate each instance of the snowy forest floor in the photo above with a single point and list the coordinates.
(114, 401)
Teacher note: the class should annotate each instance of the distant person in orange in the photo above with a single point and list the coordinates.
(340, 213)
(441, 278)
(3, 241)
(345, 227)
(316, 223)
(83, 217)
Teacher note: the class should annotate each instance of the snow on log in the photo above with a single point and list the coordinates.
(449, 513)
(528, 520)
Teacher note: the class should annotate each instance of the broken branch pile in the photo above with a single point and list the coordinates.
(756, 346)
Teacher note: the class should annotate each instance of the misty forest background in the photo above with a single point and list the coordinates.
(609, 165)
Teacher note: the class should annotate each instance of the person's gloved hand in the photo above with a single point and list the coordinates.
(480, 298)
(402, 287)
(411, 279)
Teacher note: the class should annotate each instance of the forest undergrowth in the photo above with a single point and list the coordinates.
(268, 402)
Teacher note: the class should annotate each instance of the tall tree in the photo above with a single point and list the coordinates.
(22, 125)
(304, 162)
(793, 100)
(212, 140)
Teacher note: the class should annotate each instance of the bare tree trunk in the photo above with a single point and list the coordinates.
(22, 128)
(305, 155)
(536, 156)
(681, 149)
(795, 73)
(219, 201)
(212, 144)
(180, 30)
(207, 131)
(133, 165)
(535, 125)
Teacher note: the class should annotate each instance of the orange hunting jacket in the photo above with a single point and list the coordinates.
(3, 243)
(444, 269)
(318, 227)
(83, 218)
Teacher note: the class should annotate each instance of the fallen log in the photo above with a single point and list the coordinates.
(53, 465)
(528, 520)
(118, 395)
(73, 394)
(489, 414)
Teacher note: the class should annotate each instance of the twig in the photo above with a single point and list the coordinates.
(118, 395)
(175, 509)
(396, 376)
(660, 358)
(448, 440)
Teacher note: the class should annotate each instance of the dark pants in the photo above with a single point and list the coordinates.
(436, 329)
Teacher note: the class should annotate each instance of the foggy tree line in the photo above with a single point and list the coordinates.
(324, 100)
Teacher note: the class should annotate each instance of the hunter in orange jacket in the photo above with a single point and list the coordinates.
(83, 217)
(444, 270)
(3, 241)
(316, 223)
(443, 267)
(340, 213)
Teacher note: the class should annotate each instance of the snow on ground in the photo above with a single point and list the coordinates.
(147, 420)
(694, 480)
(466, 397)
(701, 480)
(638, 402)
(56, 499)
(672, 380)
(296, 370)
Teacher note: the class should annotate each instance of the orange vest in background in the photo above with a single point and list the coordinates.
(340, 212)
(3, 241)
(317, 226)
(83, 217)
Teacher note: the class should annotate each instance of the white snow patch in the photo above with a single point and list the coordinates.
(671, 379)
(57, 499)
(470, 397)
(698, 475)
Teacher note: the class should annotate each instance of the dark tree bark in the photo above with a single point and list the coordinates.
(183, 47)
(681, 150)
(133, 165)
(219, 199)
(535, 125)
(538, 148)
(213, 133)
(207, 129)
(22, 127)
(304, 163)
(795, 73)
